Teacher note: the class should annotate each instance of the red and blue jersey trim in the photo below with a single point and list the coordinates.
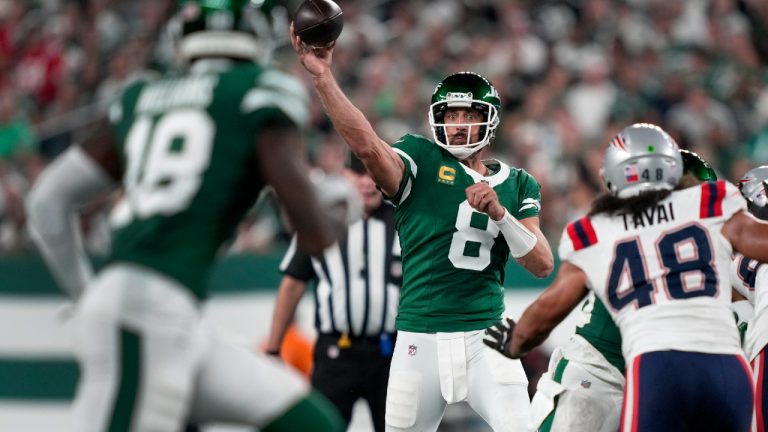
(712, 195)
(581, 233)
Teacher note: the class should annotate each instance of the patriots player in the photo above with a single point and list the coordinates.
(459, 217)
(668, 249)
(750, 279)
(583, 389)
(191, 152)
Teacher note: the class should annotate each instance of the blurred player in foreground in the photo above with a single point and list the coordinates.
(191, 152)
(459, 218)
(357, 286)
(583, 389)
(664, 283)
(750, 279)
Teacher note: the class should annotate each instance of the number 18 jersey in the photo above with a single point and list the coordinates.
(453, 256)
(663, 274)
(190, 171)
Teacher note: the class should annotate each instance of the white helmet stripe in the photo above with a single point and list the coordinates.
(220, 43)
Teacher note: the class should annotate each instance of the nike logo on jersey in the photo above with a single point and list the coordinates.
(530, 203)
(651, 216)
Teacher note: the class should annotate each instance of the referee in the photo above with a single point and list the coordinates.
(357, 288)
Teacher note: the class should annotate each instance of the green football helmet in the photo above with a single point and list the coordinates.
(693, 164)
(465, 90)
(239, 29)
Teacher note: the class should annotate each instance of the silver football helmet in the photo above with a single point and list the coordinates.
(754, 187)
(641, 158)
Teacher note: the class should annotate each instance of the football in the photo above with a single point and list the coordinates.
(318, 22)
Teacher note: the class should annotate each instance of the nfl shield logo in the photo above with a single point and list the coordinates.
(586, 384)
(411, 350)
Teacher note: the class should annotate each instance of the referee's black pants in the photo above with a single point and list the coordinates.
(344, 375)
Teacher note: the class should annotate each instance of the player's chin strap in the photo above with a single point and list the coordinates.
(71, 181)
(519, 238)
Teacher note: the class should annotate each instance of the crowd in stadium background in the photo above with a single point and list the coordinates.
(571, 73)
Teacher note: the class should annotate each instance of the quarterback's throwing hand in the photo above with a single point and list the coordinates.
(499, 335)
(483, 198)
(316, 60)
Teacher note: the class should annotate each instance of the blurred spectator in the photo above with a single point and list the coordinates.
(570, 72)
(590, 100)
(16, 136)
(704, 125)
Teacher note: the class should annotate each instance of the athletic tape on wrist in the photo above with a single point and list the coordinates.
(519, 238)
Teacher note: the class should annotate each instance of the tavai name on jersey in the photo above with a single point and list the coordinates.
(662, 212)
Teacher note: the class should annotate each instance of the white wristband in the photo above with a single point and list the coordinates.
(519, 239)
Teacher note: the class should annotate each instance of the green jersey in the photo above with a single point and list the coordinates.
(453, 256)
(190, 171)
(598, 328)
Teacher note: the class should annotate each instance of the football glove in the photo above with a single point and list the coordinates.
(499, 335)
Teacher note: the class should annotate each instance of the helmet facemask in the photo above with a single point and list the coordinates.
(487, 126)
(470, 91)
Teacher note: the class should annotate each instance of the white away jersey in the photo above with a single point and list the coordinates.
(750, 278)
(663, 274)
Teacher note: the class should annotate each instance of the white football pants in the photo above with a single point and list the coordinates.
(581, 388)
(432, 370)
(147, 364)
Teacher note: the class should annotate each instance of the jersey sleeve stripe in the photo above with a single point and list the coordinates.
(712, 194)
(259, 98)
(720, 196)
(704, 205)
(407, 183)
(582, 233)
(288, 255)
(578, 244)
(589, 230)
(409, 159)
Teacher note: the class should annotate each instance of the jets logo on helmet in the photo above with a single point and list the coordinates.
(465, 90)
(642, 157)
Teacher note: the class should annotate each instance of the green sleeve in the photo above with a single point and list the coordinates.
(273, 96)
(529, 198)
(412, 150)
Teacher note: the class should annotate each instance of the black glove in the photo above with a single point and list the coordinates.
(499, 335)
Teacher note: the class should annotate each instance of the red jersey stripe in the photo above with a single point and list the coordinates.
(704, 205)
(719, 198)
(586, 223)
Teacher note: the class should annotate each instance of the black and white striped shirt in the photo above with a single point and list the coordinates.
(358, 278)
